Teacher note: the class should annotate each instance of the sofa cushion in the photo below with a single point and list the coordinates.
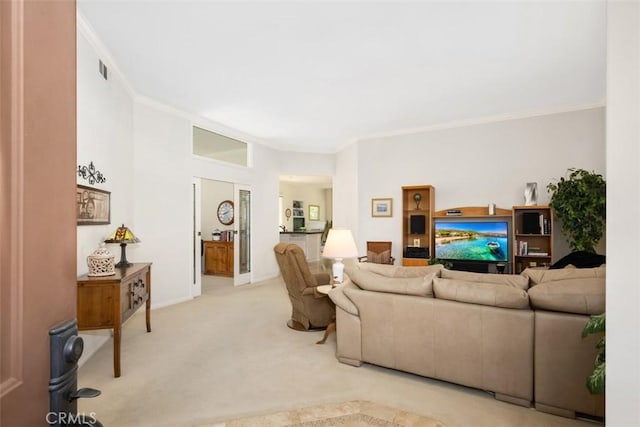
(370, 281)
(483, 293)
(585, 295)
(396, 270)
(383, 257)
(537, 276)
(512, 280)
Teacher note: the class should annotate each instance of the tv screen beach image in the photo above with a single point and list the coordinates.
(472, 241)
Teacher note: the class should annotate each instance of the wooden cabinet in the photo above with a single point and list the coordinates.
(533, 233)
(106, 302)
(418, 203)
(218, 258)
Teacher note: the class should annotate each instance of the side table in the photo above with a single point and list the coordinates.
(331, 327)
(106, 302)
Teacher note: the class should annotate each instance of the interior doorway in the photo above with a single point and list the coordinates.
(306, 202)
(221, 234)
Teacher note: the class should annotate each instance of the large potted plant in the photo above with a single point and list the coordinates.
(596, 381)
(579, 202)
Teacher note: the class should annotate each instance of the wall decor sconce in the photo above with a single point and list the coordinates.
(91, 174)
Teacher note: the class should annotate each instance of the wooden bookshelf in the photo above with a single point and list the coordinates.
(425, 206)
(533, 237)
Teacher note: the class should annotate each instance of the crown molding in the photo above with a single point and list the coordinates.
(479, 121)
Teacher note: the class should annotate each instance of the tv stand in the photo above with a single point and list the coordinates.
(480, 267)
(476, 267)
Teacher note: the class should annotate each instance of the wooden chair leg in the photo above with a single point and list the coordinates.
(330, 328)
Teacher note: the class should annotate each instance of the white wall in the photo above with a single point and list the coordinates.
(162, 201)
(623, 211)
(473, 166)
(345, 190)
(291, 163)
(105, 137)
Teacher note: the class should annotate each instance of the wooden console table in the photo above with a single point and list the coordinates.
(107, 302)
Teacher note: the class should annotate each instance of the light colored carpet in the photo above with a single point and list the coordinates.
(228, 354)
(355, 413)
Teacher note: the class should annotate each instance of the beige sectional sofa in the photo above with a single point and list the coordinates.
(518, 336)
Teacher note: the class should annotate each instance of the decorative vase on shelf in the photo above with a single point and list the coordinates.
(100, 262)
(531, 194)
(417, 197)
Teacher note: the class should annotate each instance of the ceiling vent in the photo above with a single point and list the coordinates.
(102, 69)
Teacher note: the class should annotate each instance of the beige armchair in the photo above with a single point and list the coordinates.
(310, 309)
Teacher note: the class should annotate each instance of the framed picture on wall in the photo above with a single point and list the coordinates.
(381, 207)
(93, 206)
(314, 212)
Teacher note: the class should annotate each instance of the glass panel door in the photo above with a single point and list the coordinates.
(242, 231)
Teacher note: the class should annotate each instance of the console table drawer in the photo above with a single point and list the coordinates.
(133, 294)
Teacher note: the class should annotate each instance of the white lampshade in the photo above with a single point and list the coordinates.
(339, 245)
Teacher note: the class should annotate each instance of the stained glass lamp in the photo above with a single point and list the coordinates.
(123, 236)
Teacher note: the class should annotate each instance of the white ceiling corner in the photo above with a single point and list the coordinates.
(313, 76)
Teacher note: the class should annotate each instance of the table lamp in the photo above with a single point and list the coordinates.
(339, 245)
(123, 236)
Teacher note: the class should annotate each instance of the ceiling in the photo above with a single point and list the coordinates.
(315, 76)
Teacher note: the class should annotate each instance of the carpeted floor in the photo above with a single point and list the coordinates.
(228, 355)
(356, 413)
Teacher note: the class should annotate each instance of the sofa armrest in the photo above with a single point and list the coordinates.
(341, 300)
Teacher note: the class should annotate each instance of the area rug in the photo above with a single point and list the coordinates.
(355, 413)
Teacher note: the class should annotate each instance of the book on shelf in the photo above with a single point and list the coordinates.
(226, 236)
(521, 247)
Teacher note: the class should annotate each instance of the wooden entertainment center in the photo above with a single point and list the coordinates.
(418, 203)
(529, 240)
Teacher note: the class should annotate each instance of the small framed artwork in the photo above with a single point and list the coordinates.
(381, 207)
(93, 206)
(314, 212)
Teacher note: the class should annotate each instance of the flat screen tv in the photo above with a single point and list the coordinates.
(472, 240)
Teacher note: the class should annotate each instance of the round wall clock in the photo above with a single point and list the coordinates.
(225, 212)
(287, 213)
